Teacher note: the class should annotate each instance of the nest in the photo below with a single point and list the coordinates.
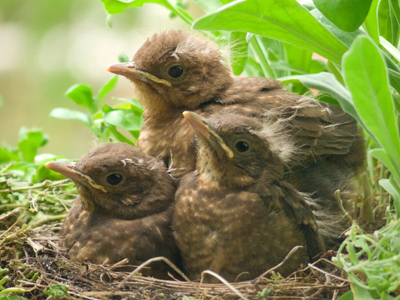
(35, 267)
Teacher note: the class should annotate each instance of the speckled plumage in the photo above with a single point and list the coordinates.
(334, 147)
(235, 214)
(119, 216)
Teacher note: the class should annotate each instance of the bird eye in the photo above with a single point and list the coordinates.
(242, 146)
(114, 178)
(175, 71)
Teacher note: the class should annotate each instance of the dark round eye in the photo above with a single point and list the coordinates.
(114, 178)
(242, 146)
(175, 71)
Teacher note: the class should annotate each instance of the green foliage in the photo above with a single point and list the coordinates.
(348, 15)
(103, 119)
(27, 186)
(58, 291)
(358, 69)
(23, 162)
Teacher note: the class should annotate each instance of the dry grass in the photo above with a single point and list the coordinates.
(35, 262)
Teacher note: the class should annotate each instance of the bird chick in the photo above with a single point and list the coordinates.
(174, 71)
(235, 214)
(123, 209)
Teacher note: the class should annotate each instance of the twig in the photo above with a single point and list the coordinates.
(11, 227)
(14, 211)
(147, 262)
(224, 281)
(118, 264)
(327, 273)
(6, 168)
(48, 219)
(46, 183)
(291, 252)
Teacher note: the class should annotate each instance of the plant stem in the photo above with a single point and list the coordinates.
(255, 45)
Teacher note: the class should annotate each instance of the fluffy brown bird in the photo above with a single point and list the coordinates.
(235, 214)
(175, 71)
(123, 209)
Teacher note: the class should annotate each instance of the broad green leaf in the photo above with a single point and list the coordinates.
(348, 15)
(209, 5)
(284, 20)
(387, 22)
(298, 58)
(327, 83)
(345, 37)
(70, 114)
(380, 154)
(134, 102)
(119, 136)
(126, 119)
(107, 87)
(390, 48)
(389, 186)
(371, 22)
(369, 87)
(283, 65)
(346, 296)
(29, 143)
(7, 155)
(239, 51)
(118, 6)
(82, 95)
(360, 293)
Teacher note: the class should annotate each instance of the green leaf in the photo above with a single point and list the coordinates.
(371, 22)
(127, 119)
(82, 95)
(284, 20)
(12, 297)
(387, 20)
(30, 141)
(298, 58)
(107, 87)
(59, 291)
(70, 114)
(369, 87)
(346, 296)
(345, 37)
(327, 83)
(348, 15)
(209, 5)
(1, 101)
(118, 6)
(390, 48)
(119, 136)
(238, 51)
(8, 155)
(360, 293)
(389, 186)
(122, 57)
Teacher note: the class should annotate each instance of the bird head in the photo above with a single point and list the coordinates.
(176, 69)
(121, 180)
(239, 151)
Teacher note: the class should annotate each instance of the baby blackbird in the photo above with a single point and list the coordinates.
(235, 214)
(123, 209)
(174, 71)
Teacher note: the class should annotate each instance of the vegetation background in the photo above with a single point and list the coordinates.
(47, 47)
